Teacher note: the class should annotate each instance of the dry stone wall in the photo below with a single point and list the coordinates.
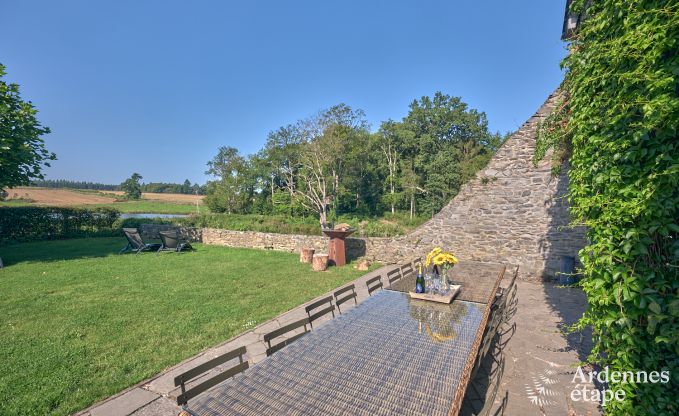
(513, 212)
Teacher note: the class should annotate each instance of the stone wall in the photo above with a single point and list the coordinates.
(513, 212)
(150, 232)
(356, 247)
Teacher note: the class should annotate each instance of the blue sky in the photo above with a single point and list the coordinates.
(156, 87)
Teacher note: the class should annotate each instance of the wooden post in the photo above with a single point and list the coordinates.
(320, 262)
(306, 255)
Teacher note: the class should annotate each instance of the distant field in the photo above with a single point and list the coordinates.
(150, 202)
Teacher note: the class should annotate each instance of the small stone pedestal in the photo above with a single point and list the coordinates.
(336, 249)
(306, 255)
(320, 262)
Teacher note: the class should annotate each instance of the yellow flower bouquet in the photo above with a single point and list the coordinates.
(442, 261)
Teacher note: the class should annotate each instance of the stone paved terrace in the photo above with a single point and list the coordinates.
(539, 358)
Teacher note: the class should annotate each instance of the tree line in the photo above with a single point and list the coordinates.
(154, 187)
(331, 163)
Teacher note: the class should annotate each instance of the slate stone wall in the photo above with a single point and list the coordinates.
(513, 212)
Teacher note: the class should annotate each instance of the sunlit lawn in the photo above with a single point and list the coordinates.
(80, 322)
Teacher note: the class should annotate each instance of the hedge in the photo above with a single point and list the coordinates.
(40, 223)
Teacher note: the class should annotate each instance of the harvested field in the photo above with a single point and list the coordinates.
(176, 198)
(67, 197)
(57, 197)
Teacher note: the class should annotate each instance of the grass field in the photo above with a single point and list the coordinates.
(150, 202)
(81, 323)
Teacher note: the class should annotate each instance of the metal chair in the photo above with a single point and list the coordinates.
(185, 377)
(339, 299)
(315, 315)
(373, 284)
(407, 270)
(284, 330)
(394, 276)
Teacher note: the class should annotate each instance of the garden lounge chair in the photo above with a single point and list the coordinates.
(171, 242)
(135, 243)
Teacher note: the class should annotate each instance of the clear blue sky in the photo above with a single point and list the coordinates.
(157, 86)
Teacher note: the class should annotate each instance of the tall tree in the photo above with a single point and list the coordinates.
(132, 187)
(325, 138)
(22, 149)
(233, 190)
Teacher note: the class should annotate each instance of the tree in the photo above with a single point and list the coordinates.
(232, 192)
(325, 138)
(445, 145)
(186, 187)
(132, 187)
(22, 149)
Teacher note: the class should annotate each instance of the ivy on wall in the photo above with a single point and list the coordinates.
(618, 125)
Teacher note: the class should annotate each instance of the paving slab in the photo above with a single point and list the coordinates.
(125, 404)
(162, 406)
(541, 357)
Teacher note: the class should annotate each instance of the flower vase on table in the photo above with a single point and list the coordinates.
(442, 261)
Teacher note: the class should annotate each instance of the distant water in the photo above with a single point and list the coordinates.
(152, 215)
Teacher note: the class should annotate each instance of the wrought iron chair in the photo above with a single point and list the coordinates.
(182, 379)
(341, 297)
(315, 315)
(407, 270)
(282, 331)
(394, 276)
(489, 365)
(373, 284)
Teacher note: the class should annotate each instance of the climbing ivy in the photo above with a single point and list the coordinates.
(620, 118)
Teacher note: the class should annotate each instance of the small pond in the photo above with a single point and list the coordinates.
(152, 215)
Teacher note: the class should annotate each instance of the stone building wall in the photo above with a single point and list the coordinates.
(513, 212)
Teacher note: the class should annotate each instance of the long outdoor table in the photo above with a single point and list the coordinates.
(390, 355)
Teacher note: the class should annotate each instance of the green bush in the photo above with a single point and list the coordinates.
(620, 120)
(252, 222)
(41, 223)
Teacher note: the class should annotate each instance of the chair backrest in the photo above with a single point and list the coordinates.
(373, 284)
(169, 238)
(330, 308)
(407, 270)
(283, 330)
(133, 237)
(183, 378)
(510, 297)
(341, 297)
(393, 276)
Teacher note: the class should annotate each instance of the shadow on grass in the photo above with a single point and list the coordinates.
(55, 250)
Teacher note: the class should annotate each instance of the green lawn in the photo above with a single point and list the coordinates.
(80, 322)
(150, 206)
